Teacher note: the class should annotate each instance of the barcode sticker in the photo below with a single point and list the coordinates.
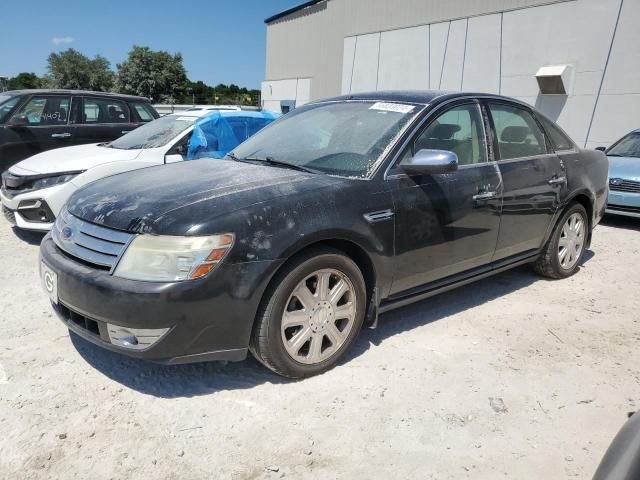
(392, 107)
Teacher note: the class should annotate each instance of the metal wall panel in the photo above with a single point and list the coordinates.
(482, 58)
(454, 53)
(365, 63)
(404, 59)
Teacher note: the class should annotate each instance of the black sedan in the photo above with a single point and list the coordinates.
(339, 211)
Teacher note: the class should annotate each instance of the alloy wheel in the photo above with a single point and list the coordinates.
(318, 316)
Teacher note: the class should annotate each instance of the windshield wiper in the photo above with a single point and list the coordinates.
(278, 163)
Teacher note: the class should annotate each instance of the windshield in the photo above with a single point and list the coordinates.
(342, 138)
(154, 134)
(7, 102)
(628, 146)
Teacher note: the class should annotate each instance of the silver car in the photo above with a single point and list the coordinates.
(624, 175)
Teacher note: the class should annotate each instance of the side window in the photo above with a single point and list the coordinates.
(559, 140)
(459, 130)
(517, 132)
(41, 110)
(144, 112)
(99, 110)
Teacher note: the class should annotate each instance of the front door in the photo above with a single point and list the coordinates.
(448, 223)
(534, 179)
(45, 125)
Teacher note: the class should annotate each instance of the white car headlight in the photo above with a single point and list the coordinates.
(166, 258)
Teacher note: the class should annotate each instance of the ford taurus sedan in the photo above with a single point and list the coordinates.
(339, 211)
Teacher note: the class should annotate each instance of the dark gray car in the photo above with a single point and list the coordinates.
(32, 121)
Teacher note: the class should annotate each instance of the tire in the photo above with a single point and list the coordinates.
(330, 318)
(550, 262)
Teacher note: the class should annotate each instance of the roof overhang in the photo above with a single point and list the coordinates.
(284, 13)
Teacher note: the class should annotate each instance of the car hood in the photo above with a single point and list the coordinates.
(627, 168)
(183, 198)
(70, 159)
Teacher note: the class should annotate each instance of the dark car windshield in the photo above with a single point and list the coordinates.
(628, 146)
(154, 134)
(7, 102)
(338, 138)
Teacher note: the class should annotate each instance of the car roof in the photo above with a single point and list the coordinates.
(423, 97)
(57, 91)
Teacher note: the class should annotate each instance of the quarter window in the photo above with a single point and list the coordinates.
(558, 138)
(98, 110)
(517, 132)
(52, 110)
(458, 130)
(144, 112)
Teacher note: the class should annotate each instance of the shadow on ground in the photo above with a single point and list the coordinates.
(31, 237)
(619, 221)
(206, 378)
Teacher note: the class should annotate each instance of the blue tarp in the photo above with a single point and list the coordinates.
(219, 132)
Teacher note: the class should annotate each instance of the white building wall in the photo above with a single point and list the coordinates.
(501, 53)
(618, 109)
(296, 90)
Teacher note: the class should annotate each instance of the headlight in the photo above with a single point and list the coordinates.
(165, 259)
(47, 182)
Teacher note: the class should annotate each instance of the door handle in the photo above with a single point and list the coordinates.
(557, 181)
(485, 196)
(60, 135)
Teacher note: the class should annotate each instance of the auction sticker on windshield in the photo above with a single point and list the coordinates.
(392, 107)
(49, 282)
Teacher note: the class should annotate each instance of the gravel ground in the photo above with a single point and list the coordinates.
(513, 377)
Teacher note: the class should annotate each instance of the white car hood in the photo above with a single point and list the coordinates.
(70, 159)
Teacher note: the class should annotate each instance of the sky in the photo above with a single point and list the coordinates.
(221, 41)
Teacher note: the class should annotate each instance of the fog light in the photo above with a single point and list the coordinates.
(134, 338)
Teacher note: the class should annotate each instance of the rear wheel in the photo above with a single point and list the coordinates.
(311, 314)
(562, 255)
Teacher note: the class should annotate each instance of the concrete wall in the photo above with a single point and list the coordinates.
(489, 46)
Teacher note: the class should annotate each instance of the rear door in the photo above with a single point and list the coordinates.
(446, 223)
(534, 179)
(47, 123)
(103, 119)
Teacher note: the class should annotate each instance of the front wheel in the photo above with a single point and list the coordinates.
(562, 255)
(311, 314)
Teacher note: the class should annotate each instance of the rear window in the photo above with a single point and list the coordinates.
(98, 110)
(559, 140)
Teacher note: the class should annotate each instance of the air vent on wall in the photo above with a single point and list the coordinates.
(554, 79)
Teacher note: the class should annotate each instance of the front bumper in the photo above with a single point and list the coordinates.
(207, 319)
(19, 216)
(624, 203)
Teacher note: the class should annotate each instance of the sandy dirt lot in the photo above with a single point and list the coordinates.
(513, 377)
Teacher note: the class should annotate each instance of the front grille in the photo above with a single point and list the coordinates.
(10, 215)
(619, 185)
(90, 243)
(623, 208)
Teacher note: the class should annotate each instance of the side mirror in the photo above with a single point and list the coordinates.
(602, 149)
(428, 162)
(18, 121)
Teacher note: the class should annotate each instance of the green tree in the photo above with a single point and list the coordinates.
(71, 69)
(154, 74)
(23, 81)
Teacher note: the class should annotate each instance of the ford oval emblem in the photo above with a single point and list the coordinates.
(67, 232)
